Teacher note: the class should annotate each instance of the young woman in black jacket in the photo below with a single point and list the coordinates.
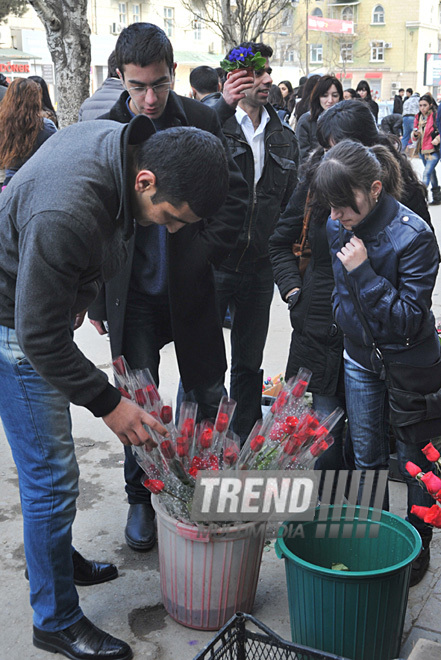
(316, 342)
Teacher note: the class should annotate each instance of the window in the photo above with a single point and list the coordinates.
(287, 18)
(378, 14)
(347, 14)
(316, 53)
(168, 21)
(136, 14)
(377, 51)
(317, 12)
(290, 56)
(346, 52)
(122, 10)
(197, 28)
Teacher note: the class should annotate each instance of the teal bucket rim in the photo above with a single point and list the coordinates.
(284, 553)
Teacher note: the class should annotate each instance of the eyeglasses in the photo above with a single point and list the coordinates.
(139, 92)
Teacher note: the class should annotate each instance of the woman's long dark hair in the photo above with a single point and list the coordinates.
(303, 105)
(46, 100)
(321, 87)
(20, 120)
(363, 84)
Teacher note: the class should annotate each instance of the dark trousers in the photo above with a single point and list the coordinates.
(147, 328)
(248, 296)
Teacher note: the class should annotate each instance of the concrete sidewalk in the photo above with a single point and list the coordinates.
(130, 607)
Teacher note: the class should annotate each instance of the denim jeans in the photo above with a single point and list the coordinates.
(249, 296)
(430, 162)
(368, 411)
(147, 329)
(37, 424)
(407, 130)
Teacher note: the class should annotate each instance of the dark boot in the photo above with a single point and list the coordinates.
(421, 563)
(436, 196)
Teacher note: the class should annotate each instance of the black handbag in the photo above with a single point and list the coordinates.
(414, 392)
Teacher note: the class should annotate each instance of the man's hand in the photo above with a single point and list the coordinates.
(79, 318)
(127, 421)
(99, 326)
(353, 254)
(236, 84)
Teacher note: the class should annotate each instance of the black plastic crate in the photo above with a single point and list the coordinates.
(245, 638)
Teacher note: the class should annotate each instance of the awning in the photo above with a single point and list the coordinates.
(342, 76)
(15, 54)
(191, 57)
(374, 74)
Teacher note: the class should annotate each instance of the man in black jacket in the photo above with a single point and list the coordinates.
(398, 102)
(166, 293)
(266, 152)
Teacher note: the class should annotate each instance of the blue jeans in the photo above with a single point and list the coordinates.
(37, 424)
(407, 130)
(368, 412)
(430, 162)
(249, 296)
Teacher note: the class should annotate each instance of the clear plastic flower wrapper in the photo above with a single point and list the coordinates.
(292, 436)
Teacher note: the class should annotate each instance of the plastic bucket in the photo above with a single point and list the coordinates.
(357, 613)
(207, 574)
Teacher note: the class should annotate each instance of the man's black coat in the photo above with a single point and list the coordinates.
(197, 329)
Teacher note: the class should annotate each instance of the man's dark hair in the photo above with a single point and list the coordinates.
(410, 90)
(222, 75)
(204, 79)
(112, 66)
(143, 44)
(401, 90)
(190, 166)
(263, 49)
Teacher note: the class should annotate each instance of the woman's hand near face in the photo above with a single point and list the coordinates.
(353, 254)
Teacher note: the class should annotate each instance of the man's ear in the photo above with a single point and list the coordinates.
(145, 181)
(120, 75)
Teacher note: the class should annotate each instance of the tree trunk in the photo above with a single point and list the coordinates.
(68, 40)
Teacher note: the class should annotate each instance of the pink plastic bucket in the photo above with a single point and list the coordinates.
(207, 576)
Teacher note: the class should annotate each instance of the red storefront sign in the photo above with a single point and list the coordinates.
(9, 67)
(330, 25)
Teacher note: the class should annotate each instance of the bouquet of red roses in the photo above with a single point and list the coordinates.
(430, 481)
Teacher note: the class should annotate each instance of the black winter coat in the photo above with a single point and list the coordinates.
(272, 192)
(197, 330)
(316, 342)
(306, 131)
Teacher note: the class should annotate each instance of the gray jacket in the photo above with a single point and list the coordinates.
(411, 105)
(102, 100)
(65, 221)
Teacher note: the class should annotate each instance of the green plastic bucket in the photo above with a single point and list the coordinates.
(357, 613)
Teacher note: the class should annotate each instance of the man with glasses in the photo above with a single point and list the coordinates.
(167, 292)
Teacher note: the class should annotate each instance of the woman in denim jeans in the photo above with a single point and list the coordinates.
(425, 132)
(387, 257)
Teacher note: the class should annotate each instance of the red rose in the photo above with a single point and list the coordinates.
(213, 462)
(222, 422)
(124, 393)
(299, 388)
(140, 397)
(279, 402)
(413, 469)
(166, 414)
(197, 462)
(318, 447)
(206, 438)
(419, 511)
(120, 366)
(290, 447)
(152, 393)
(193, 472)
(432, 482)
(257, 442)
(433, 516)
(182, 448)
(167, 450)
(154, 485)
(188, 427)
(231, 454)
(432, 454)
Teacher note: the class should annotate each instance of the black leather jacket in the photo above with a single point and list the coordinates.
(272, 192)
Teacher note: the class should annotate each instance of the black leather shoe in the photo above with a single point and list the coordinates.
(140, 530)
(83, 641)
(89, 572)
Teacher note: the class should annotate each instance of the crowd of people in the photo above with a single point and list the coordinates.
(221, 186)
